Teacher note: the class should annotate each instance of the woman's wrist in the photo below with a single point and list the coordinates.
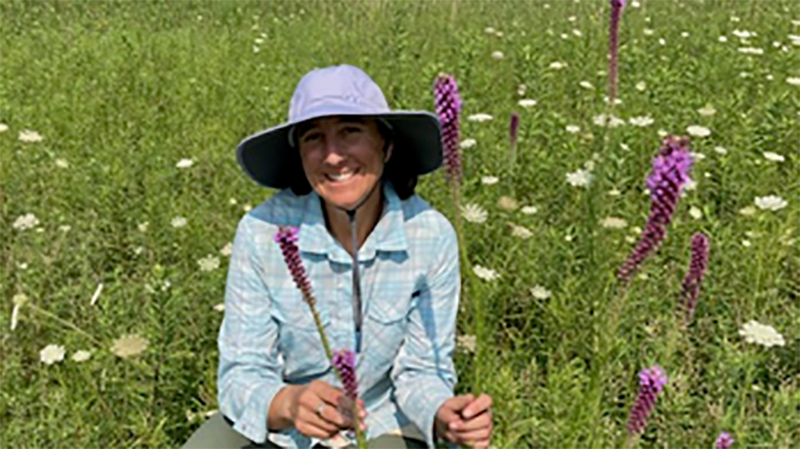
(279, 416)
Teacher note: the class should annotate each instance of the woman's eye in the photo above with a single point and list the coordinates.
(309, 137)
(352, 129)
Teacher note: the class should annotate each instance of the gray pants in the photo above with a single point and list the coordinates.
(216, 433)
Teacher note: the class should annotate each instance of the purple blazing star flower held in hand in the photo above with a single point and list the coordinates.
(724, 441)
(286, 238)
(651, 382)
(670, 173)
(345, 362)
(448, 107)
(690, 289)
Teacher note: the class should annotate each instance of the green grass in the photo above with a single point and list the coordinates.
(123, 90)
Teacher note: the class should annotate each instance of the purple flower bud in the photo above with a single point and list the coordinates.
(448, 107)
(286, 237)
(670, 173)
(724, 441)
(651, 382)
(613, 44)
(690, 289)
(345, 362)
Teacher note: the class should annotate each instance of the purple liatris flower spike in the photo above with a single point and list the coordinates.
(690, 288)
(448, 107)
(286, 238)
(613, 48)
(651, 382)
(345, 362)
(670, 173)
(724, 441)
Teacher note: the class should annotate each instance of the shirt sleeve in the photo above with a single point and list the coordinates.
(424, 375)
(249, 373)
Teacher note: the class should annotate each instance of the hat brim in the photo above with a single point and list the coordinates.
(268, 158)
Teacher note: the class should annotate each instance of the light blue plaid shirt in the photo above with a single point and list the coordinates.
(410, 286)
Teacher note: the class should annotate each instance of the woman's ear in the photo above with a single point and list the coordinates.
(387, 153)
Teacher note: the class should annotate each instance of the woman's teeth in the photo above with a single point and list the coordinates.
(341, 176)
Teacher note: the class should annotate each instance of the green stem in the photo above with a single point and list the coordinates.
(64, 322)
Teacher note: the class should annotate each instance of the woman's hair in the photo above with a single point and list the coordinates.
(395, 171)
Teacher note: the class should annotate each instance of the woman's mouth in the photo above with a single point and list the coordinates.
(340, 177)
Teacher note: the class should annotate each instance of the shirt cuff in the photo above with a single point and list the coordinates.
(252, 423)
(423, 403)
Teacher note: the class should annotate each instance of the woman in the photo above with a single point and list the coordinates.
(346, 167)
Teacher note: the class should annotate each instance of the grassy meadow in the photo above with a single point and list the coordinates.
(119, 126)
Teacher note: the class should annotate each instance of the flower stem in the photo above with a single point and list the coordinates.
(63, 321)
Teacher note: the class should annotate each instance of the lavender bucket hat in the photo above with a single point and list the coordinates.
(270, 158)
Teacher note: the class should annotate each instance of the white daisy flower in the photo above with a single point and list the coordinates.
(641, 86)
(774, 157)
(684, 34)
(30, 136)
(662, 42)
(614, 192)
(641, 121)
(529, 210)
(208, 263)
(484, 273)
(577, 33)
(220, 307)
(62, 163)
(540, 292)
(579, 178)
(527, 103)
(489, 30)
(574, 129)
(695, 212)
(143, 226)
(25, 222)
(793, 81)
(489, 180)
(748, 211)
(467, 144)
(52, 354)
(746, 243)
(770, 202)
(698, 131)
(521, 232)
(723, 39)
(761, 334)
(3, 127)
(613, 223)
(721, 150)
(558, 65)
(65, 228)
(178, 222)
(479, 117)
(743, 34)
(184, 163)
(497, 55)
(586, 85)
(474, 213)
(690, 185)
(81, 356)
(648, 31)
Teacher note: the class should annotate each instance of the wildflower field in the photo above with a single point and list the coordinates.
(120, 195)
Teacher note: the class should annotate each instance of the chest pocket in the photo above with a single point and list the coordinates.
(300, 343)
(385, 328)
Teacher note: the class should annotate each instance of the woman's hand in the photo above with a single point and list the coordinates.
(318, 410)
(466, 420)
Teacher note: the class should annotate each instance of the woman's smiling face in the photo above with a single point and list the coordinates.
(343, 158)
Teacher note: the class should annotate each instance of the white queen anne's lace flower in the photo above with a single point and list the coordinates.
(227, 250)
(467, 144)
(129, 346)
(26, 221)
(521, 232)
(698, 131)
(774, 157)
(761, 334)
(489, 180)
(527, 102)
(29, 136)
(487, 274)
(52, 354)
(770, 202)
(208, 263)
(474, 213)
(580, 178)
(641, 121)
(81, 356)
(184, 163)
(613, 223)
(529, 210)
(480, 117)
(540, 292)
(466, 343)
(178, 222)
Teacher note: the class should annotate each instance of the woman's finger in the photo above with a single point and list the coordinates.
(474, 436)
(312, 419)
(480, 421)
(479, 405)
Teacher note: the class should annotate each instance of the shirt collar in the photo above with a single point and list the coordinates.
(388, 234)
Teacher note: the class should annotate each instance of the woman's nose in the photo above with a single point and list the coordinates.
(333, 150)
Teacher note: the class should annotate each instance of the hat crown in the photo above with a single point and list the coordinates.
(341, 85)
